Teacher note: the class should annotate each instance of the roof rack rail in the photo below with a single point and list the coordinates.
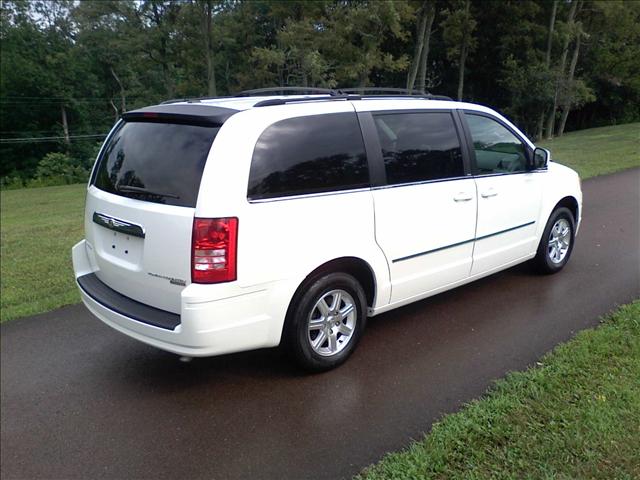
(283, 101)
(191, 99)
(287, 91)
(394, 92)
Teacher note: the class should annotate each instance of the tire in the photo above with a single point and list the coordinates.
(551, 258)
(321, 335)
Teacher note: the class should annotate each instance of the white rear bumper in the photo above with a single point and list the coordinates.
(244, 321)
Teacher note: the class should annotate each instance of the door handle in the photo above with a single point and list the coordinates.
(462, 197)
(489, 193)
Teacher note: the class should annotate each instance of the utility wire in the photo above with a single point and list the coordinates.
(47, 139)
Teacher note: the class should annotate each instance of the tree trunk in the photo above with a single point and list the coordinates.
(463, 59)
(552, 22)
(211, 74)
(65, 125)
(566, 108)
(164, 53)
(563, 64)
(424, 57)
(540, 127)
(363, 78)
(464, 50)
(547, 62)
(115, 110)
(417, 53)
(123, 101)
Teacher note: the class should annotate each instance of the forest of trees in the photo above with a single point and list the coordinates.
(70, 68)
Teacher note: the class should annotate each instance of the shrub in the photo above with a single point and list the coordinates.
(11, 182)
(58, 168)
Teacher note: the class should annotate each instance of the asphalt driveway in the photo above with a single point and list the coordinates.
(79, 400)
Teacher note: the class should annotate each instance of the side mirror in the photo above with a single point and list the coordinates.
(541, 157)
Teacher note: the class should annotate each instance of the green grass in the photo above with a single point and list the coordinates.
(575, 415)
(39, 227)
(597, 151)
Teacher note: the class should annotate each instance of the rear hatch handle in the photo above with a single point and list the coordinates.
(118, 225)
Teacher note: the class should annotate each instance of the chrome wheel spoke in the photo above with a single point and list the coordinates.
(319, 340)
(316, 324)
(345, 330)
(333, 342)
(346, 311)
(323, 307)
(337, 300)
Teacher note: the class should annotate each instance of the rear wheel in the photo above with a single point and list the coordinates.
(556, 243)
(326, 321)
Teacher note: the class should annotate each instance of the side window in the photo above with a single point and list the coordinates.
(419, 146)
(311, 154)
(497, 149)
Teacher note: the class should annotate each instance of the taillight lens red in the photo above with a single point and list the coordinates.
(214, 252)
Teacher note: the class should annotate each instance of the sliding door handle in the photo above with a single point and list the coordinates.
(462, 197)
(489, 193)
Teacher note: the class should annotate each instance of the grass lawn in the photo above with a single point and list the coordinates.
(597, 151)
(575, 415)
(39, 227)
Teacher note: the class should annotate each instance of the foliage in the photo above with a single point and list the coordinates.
(90, 61)
(60, 165)
(575, 415)
(457, 28)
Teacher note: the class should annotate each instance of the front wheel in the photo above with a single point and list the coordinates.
(556, 243)
(326, 321)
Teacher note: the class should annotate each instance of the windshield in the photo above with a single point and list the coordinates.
(155, 162)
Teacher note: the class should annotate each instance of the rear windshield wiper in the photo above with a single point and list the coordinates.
(131, 189)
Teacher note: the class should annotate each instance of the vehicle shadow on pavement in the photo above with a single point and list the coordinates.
(150, 368)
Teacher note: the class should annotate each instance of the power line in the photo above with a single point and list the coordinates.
(50, 102)
(47, 139)
(66, 98)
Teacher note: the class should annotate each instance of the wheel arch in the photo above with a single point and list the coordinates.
(569, 202)
(354, 266)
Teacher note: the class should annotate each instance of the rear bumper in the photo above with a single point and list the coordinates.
(91, 285)
(244, 321)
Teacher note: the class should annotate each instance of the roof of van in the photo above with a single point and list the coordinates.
(247, 102)
(215, 111)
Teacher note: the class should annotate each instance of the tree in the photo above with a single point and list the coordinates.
(560, 72)
(574, 92)
(157, 19)
(298, 57)
(359, 31)
(547, 61)
(458, 28)
(421, 52)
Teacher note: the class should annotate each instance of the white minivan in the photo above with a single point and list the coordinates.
(220, 225)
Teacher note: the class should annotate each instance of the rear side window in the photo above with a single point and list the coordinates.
(318, 153)
(155, 162)
(419, 146)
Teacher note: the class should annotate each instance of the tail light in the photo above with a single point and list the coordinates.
(214, 252)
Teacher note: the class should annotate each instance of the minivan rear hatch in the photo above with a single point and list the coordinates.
(142, 197)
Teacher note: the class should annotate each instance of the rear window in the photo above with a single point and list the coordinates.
(312, 154)
(155, 162)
